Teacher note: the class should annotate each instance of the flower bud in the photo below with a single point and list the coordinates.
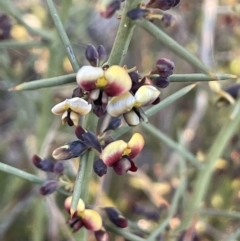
(70, 150)
(77, 92)
(114, 123)
(91, 55)
(58, 168)
(99, 167)
(102, 235)
(101, 53)
(45, 165)
(163, 4)
(164, 67)
(75, 223)
(137, 13)
(91, 140)
(161, 82)
(167, 20)
(116, 217)
(49, 187)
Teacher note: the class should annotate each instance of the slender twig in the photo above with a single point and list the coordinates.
(176, 146)
(124, 35)
(217, 212)
(172, 45)
(123, 233)
(63, 35)
(201, 185)
(28, 44)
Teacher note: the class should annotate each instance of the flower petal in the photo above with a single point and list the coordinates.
(113, 152)
(136, 144)
(94, 94)
(91, 219)
(131, 118)
(119, 82)
(121, 167)
(59, 108)
(146, 95)
(120, 104)
(87, 77)
(78, 105)
(74, 118)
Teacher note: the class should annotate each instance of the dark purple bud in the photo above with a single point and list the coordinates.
(101, 235)
(134, 77)
(58, 168)
(37, 161)
(163, 4)
(91, 140)
(155, 102)
(70, 150)
(91, 55)
(100, 167)
(49, 187)
(75, 223)
(121, 167)
(101, 53)
(114, 123)
(47, 165)
(116, 217)
(164, 67)
(77, 92)
(108, 11)
(167, 20)
(161, 82)
(5, 27)
(137, 13)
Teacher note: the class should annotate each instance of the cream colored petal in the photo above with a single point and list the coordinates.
(113, 152)
(64, 117)
(87, 77)
(94, 94)
(136, 144)
(59, 108)
(131, 118)
(119, 82)
(74, 117)
(91, 220)
(120, 104)
(78, 105)
(146, 95)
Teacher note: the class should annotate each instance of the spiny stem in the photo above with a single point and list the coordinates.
(63, 35)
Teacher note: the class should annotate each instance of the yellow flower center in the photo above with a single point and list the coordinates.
(126, 152)
(101, 82)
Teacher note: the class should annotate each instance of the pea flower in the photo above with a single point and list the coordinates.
(119, 154)
(83, 216)
(71, 109)
(103, 82)
(128, 105)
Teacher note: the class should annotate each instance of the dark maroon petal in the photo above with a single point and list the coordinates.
(155, 102)
(75, 223)
(121, 167)
(133, 167)
(49, 187)
(79, 131)
(116, 217)
(101, 235)
(164, 67)
(91, 55)
(99, 167)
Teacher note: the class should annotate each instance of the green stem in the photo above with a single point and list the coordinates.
(216, 212)
(71, 78)
(124, 35)
(123, 233)
(25, 175)
(176, 146)
(63, 35)
(204, 177)
(168, 42)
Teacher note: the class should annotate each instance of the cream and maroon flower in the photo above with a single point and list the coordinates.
(103, 82)
(127, 104)
(119, 154)
(82, 216)
(71, 110)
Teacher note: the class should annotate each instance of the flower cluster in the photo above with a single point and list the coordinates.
(112, 93)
